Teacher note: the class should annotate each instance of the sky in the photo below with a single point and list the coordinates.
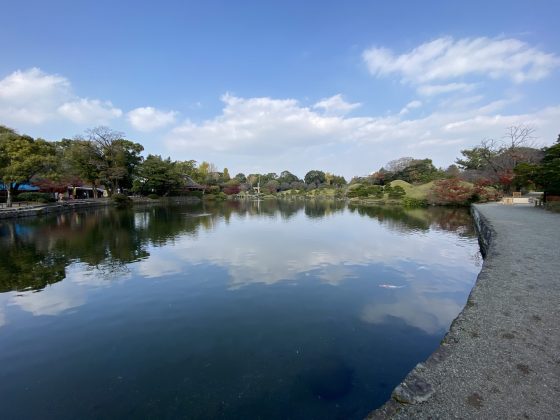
(267, 86)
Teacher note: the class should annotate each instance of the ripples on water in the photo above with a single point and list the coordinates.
(244, 310)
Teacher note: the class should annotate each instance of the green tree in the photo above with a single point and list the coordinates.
(116, 157)
(86, 161)
(22, 158)
(187, 170)
(420, 171)
(203, 172)
(475, 158)
(241, 177)
(315, 178)
(547, 173)
(287, 177)
(157, 175)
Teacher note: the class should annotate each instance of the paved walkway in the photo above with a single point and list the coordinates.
(501, 358)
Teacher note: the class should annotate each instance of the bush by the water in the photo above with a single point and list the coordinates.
(361, 190)
(217, 196)
(414, 202)
(454, 192)
(153, 196)
(35, 197)
(121, 199)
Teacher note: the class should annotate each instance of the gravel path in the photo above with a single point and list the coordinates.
(501, 357)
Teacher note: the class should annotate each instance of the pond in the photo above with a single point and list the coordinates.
(242, 310)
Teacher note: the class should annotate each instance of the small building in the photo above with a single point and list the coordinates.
(84, 192)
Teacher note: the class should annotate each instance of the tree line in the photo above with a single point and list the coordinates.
(104, 158)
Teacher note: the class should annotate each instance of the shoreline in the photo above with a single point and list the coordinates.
(39, 210)
(499, 358)
(52, 208)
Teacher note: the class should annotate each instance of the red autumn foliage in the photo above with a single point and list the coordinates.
(233, 189)
(451, 191)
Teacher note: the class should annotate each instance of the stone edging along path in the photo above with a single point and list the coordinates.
(17, 212)
(501, 356)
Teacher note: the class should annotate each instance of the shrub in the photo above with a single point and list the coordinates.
(397, 192)
(232, 189)
(376, 191)
(121, 199)
(365, 191)
(413, 202)
(153, 196)
(35, 196)
(483, 194)
(452, 192)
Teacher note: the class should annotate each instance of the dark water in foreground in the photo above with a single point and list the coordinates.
(249, 310)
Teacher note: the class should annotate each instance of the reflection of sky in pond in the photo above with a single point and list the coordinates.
(335, 303)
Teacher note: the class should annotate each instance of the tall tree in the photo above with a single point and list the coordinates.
(225, 175)
(157, 175)
(118, 157)
(288, 177)
(496, 160)
(86, 160)
(22, 158)
(549, 172)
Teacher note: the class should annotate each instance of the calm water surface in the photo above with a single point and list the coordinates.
(246, 310)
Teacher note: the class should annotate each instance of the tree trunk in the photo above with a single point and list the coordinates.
(9, 197)
(94, 189)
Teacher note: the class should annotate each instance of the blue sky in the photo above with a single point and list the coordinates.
(268, 86)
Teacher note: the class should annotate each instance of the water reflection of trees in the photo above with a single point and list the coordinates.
(457, 220)
(36, 252)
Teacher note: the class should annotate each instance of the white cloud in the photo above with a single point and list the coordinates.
(32, 96)
(282, 134)
(35, 97)
(446, 58)
(149, 118)
(50, 301)
(336, 105)
(266, 123)
(86, 110)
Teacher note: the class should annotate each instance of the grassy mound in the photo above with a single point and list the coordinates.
(419, 192)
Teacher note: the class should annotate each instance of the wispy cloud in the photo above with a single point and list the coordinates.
(411, 105)
(336, 105)
(431, 90)
(445, 59)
